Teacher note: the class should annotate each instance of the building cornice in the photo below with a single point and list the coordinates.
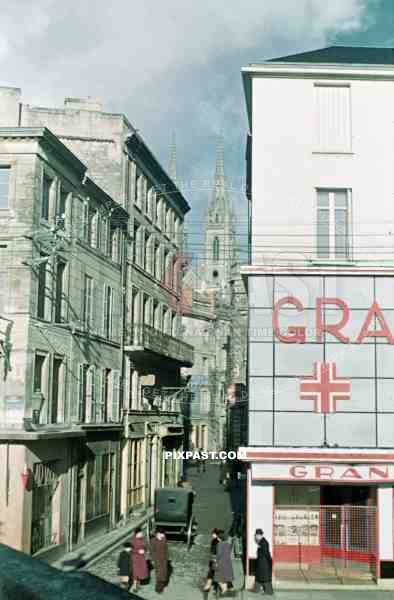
(46, 138)
(146, 159)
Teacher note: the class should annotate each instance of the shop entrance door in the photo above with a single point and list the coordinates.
(333, 541)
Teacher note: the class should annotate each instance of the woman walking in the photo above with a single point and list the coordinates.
(215, 539)
(224, 573)
(124, 566)
(139, 565)
(159, 553)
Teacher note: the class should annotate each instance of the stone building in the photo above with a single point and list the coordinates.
(91, 352)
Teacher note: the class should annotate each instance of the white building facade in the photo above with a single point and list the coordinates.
(321, 312)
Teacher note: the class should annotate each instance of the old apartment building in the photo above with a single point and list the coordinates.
(91, 352)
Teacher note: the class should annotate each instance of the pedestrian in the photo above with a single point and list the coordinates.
(263, 570)
(222, 471)
(224, 573)
(159, 554)
(203, 460)
(139, 564)
(209, 581)
(124, 566)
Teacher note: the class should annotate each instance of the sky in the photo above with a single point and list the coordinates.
(174, 66)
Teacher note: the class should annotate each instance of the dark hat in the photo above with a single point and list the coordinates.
(258, 532)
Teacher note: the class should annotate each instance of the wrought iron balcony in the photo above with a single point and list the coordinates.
(146, 338)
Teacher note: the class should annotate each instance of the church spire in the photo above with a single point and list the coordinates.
(218, 209)
(219, 170)
(172, 163)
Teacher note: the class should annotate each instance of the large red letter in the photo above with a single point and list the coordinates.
(375, 311)
(298, 332)
(381, 472)
(333, 328)
(351, 473)
(298, 472)
(324, 472)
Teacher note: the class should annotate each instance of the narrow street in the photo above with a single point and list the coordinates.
(211, 509)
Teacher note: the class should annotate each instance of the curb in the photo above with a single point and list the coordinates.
(101, 550)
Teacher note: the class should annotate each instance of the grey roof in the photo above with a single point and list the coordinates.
(360, 55)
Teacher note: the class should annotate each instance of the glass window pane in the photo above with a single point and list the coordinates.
(341, 234)
(322, 199)
(341, 200)
(323, 233)
(4, 186)
(357, 430)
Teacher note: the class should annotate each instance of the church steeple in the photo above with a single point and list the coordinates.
(219, 234)
(218, 208)
(172, 163)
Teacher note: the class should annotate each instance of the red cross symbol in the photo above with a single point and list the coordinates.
(324, 388)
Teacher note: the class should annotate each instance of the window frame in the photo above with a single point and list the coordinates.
(333, 252)
(6, 167)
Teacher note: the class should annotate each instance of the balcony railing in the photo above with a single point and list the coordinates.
(145, 337)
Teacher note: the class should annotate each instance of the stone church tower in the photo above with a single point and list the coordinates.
(219, 250)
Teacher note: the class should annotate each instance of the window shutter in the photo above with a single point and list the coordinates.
(93, 324)
(93, 407)
(105, 308)
(114, 317)
(115, 395)
(333, 118)
(81, 393)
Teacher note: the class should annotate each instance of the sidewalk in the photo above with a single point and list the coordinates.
(98, 546)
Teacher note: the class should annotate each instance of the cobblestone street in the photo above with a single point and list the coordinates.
(212, 509)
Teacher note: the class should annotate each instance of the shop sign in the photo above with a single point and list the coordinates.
(297, 334)
(328, 472)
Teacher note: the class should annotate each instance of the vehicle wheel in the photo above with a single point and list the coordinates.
(189, 534)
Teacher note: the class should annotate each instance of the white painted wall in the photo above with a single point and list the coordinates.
(385, 508)
(286, 170)
(260, 514)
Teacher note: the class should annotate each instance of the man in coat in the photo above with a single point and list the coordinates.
(263, 570)
(159, 553)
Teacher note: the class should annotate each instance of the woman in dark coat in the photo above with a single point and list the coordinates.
(139, 565)
(215, 539)
(124, 566)
(263, 571)
(159, 553)
(224, 567)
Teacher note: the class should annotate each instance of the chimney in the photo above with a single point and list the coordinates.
(9, 106)
(92, 104)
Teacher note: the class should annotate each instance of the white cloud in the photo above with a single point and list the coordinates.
(52, 41)
(170, 64)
